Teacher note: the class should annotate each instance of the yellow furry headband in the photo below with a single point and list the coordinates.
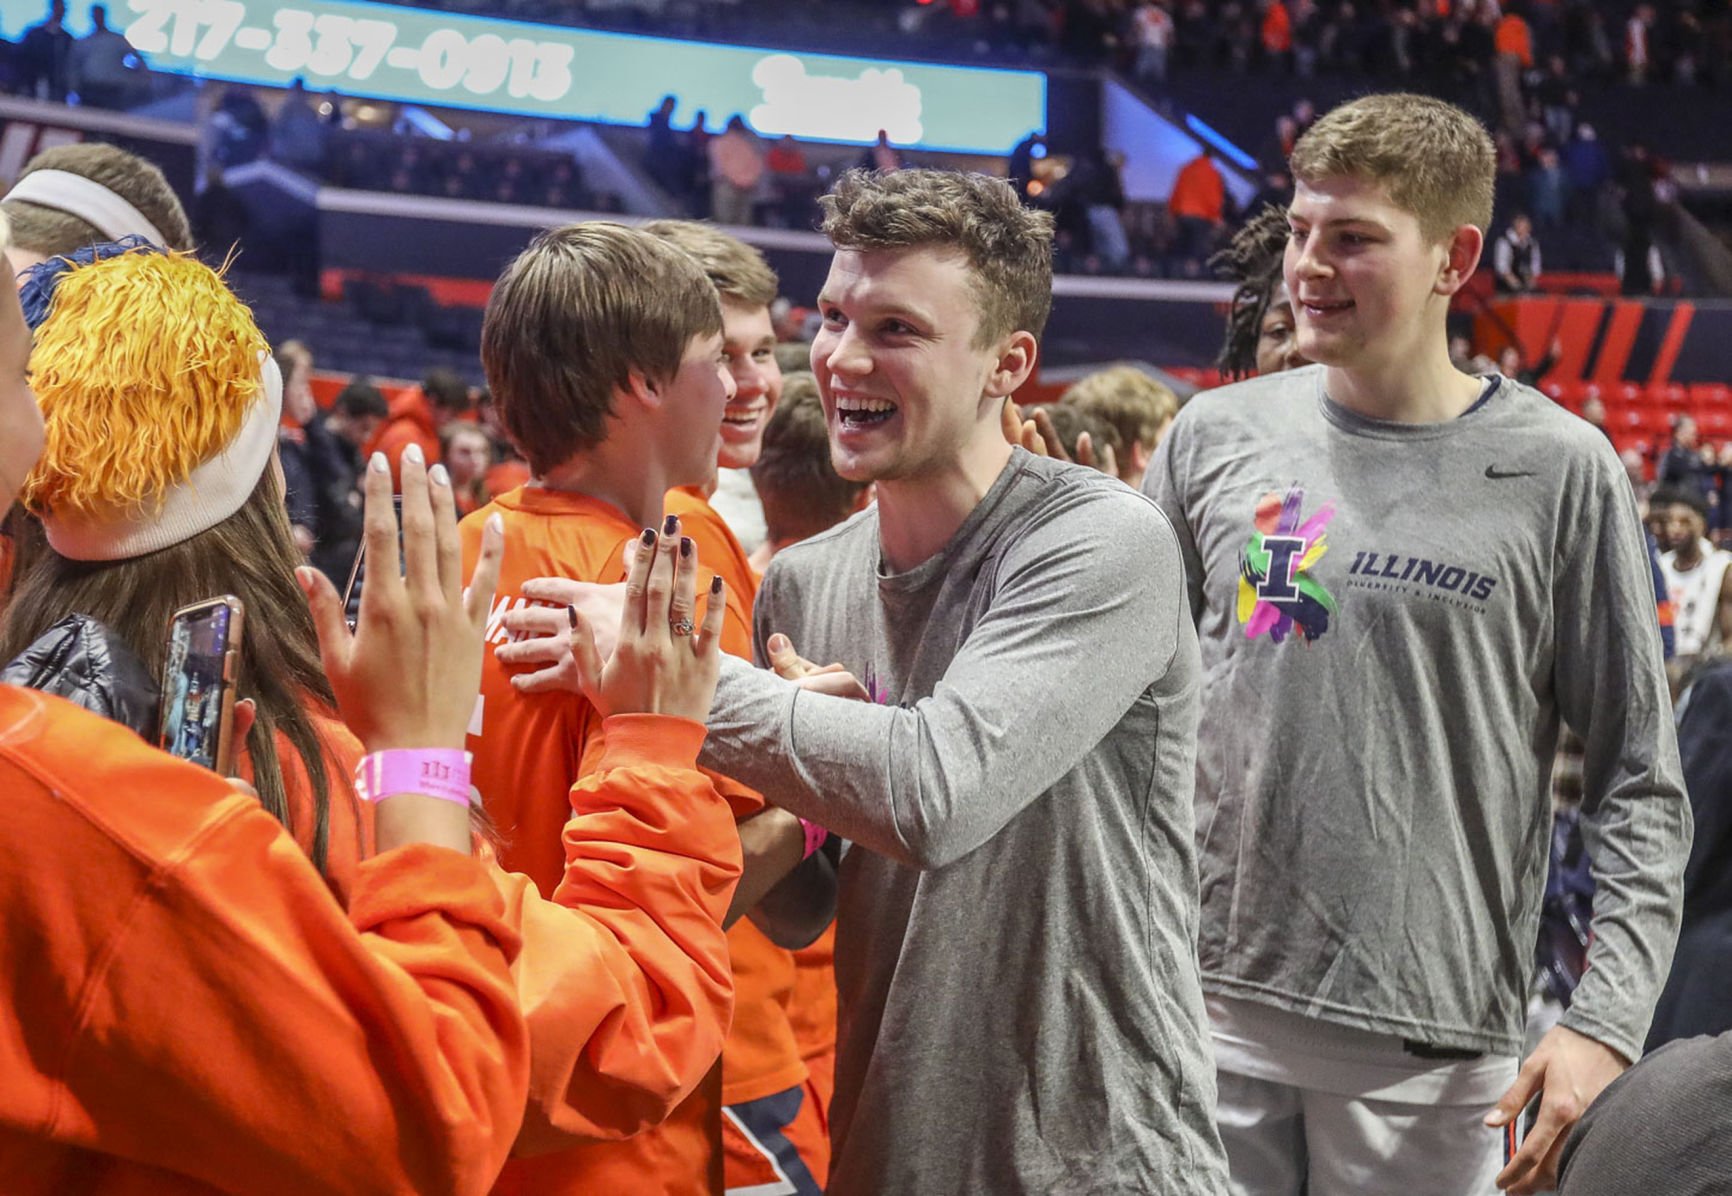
(159, 395)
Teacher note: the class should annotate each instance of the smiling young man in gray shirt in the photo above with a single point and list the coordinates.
(1403, 578)
(1021, 1010)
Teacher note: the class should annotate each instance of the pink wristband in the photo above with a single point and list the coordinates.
(815, 836)
(432, 772)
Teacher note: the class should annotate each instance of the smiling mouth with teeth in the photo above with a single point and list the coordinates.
(745, 416)
(863, 413)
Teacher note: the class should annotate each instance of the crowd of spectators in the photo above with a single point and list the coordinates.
(1585, 205)
(1456, 44)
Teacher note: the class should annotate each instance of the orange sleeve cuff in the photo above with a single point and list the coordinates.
(419, 878)
(633, 740)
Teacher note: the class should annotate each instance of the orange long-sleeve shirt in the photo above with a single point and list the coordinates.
(528, 751)
(623, 976)
(185, 1007)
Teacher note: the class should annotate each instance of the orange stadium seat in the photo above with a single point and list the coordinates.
(1714, 423)
(1674, 396)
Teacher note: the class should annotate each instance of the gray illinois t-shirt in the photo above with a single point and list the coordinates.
(1016, 933)
(1393, 619)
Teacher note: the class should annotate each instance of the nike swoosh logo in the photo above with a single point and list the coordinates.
(1494, 473)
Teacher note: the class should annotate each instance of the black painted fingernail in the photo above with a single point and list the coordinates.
(649, 537)
(670, 525)
(571, 613)
(686, 547)
(716, 584)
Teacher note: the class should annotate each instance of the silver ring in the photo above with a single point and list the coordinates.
(680, 626)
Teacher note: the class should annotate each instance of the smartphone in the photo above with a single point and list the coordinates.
(198, 682)
(358, 569)
(1517, 1131)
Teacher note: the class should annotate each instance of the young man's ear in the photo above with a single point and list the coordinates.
(639, 391)
(1461, 258)
(1015, 365)
(1140, 455)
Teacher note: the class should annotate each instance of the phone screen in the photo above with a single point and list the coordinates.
(198, 683)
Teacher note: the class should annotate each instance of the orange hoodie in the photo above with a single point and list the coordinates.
(1198, 191)
(623, 975)
(408, 420)
(185, 1008)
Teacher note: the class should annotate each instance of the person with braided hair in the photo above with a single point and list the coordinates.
(1260, 329)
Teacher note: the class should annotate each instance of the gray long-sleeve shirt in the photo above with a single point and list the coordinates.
(1393, 619)
(1020, 1003)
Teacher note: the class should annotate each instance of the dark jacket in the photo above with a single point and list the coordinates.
(1697, 998)
(82, 660)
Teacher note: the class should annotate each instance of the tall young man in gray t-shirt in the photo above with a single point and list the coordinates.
(1021, 1010)
(1403, 577)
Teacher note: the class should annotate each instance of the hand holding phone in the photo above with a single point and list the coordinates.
(198, 682)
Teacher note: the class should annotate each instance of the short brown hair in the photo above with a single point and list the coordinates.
(1007, 246)
(738, 270)
(53, 233)
(1433, 159)
(1134, 404)
(801, 490)
(573, 317)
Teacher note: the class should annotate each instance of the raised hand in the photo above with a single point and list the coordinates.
(1039, 437)
(663, 663)
(408, 674)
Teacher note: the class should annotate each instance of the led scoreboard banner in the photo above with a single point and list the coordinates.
(420, 56)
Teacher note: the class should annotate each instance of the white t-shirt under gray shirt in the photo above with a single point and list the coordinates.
(1393, 619)
(1016, 933)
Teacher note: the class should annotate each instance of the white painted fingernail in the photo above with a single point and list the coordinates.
(413, 453)
(378, 464)
(438, 476)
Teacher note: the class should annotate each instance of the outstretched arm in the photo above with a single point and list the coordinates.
(1085, 617)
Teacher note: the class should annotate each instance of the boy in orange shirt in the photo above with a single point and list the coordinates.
(774, 1136)
(603, 348)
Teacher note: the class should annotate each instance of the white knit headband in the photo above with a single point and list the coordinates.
(211, 493)
(88, 200)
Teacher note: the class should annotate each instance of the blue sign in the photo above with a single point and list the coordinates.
(443, 59)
